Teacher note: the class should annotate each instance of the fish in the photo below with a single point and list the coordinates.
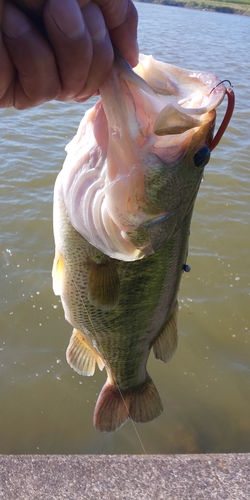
(123, 204)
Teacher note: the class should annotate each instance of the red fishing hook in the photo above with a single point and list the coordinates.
(226, 119)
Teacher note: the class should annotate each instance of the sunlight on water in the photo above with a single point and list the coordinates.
(45, 406)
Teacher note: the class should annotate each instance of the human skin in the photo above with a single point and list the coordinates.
(61, 49)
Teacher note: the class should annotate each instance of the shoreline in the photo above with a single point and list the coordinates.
(224, 7)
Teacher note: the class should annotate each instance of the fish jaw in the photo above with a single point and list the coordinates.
(133, 150)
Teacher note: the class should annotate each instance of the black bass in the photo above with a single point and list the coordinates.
(123, 204)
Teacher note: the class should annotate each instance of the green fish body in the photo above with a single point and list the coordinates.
(123, 204)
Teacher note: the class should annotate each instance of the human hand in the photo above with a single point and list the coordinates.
(70, 57)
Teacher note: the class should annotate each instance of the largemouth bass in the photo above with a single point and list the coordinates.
(123, 204)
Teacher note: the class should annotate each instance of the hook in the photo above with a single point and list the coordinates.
(227, 117)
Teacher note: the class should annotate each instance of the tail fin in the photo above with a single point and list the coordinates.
(145, 403)
(114, 406)
(111, 410)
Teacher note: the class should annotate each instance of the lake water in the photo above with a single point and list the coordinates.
(45, 406)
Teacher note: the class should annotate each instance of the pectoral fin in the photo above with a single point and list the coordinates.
(166, 344)
(58, 273)
(81, 357)
(103, 283)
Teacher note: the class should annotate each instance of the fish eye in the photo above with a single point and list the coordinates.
(201, 158)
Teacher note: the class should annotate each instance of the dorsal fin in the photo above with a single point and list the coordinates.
(166, 344)
(103, 283)
(81, 357)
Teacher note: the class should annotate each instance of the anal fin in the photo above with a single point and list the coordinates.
(81, 357)
(166, 344)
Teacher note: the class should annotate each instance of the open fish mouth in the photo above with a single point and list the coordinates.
(142, 139)
(186, 95)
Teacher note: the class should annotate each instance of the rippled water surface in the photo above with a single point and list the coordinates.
(45, 406)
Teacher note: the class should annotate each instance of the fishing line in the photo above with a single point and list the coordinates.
(220, 83)
(116, 384)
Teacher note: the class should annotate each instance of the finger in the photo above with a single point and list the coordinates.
(102, 50)
(7, 72)
(71, 42)
(121, 19)
(124, 37)
(30, 4)
(36, 78)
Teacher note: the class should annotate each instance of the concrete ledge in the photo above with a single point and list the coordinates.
(105, 477)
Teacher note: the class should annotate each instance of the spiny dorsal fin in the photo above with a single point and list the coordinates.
(103, 283)
(81, 357)
(166, 344)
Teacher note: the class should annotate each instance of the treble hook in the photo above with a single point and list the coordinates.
(227, 117)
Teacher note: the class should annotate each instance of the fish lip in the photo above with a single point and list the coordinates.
(214, 92)
(127, 73)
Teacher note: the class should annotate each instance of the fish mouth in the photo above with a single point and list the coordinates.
(182, 98)
(160, 108)
(149, 136)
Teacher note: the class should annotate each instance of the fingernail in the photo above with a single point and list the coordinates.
(68, 17)
(14, 22)
(95, 22)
